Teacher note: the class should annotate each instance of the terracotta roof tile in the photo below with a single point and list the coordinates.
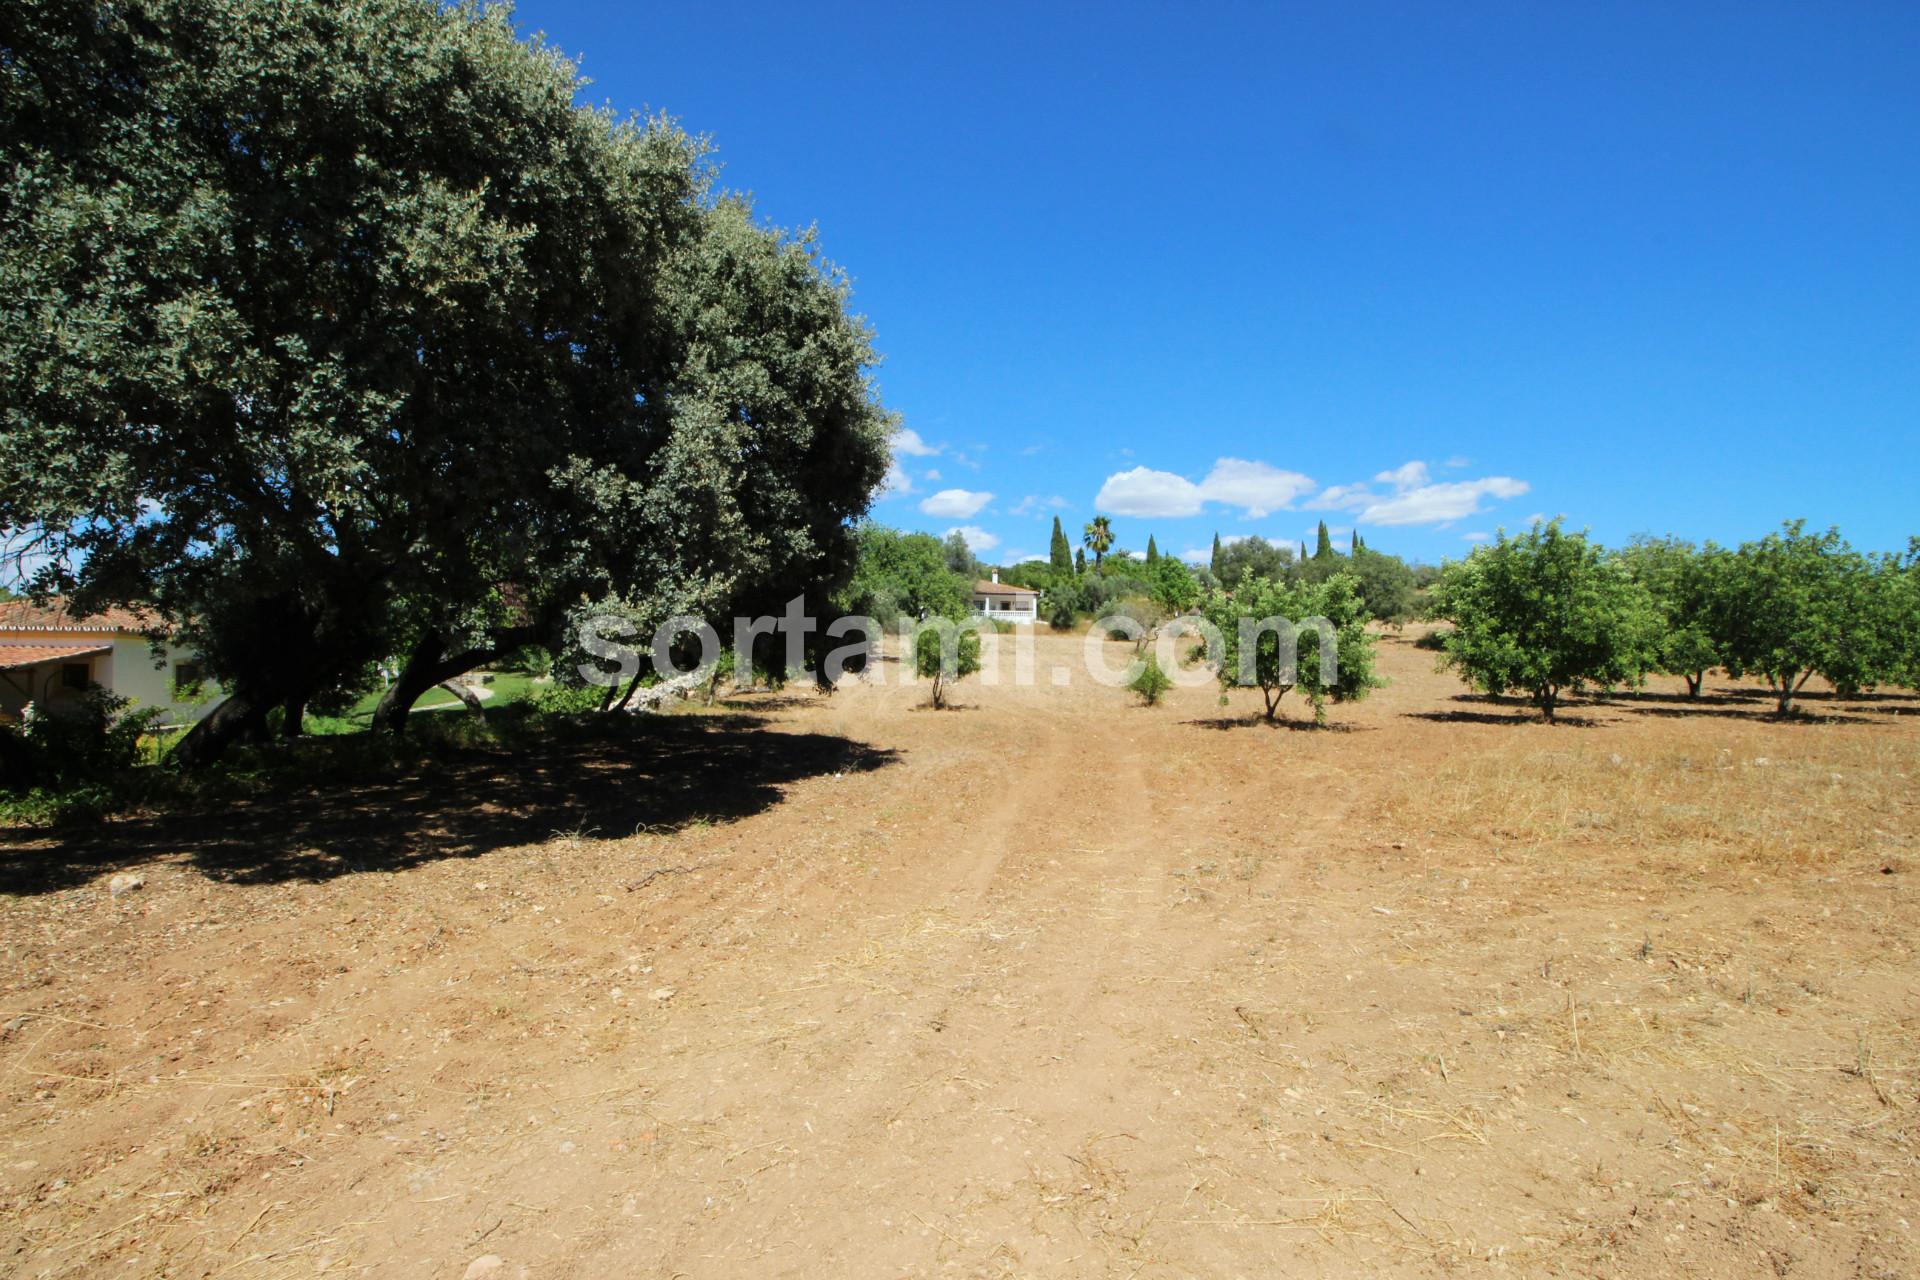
(24, 615)
(15, 656)
(983, 587)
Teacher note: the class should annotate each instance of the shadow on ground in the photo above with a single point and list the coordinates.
(1256, 721)
(663, 774)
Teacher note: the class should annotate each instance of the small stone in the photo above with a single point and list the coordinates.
(126, 882)
(662, 993)
(485, 1265)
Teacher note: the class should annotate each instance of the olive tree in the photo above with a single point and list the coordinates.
(1544, 613)
(944, 653)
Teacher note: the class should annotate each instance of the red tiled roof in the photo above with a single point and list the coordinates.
(15, 656)
(982, 587)
(24, 615)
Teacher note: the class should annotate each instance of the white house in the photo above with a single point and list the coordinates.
(1004, 602)
(49, 657)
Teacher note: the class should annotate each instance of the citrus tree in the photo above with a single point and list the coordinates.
(1687, 585)
(1799, 604)
(1280, 636)
(1544, 613)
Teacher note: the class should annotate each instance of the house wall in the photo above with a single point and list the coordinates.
(131, 672)
(128, 669)
(1024, 608)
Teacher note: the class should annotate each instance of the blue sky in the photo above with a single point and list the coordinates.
(1428, 269)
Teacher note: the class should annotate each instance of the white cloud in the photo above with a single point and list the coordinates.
(978, 539)
(1035, 505)
(1254, 487)
(956, 504)
(897, 484)
(1197, 555)
(1257, 488)
(933, 476)
(1440, 503)
(907, 441)
(1534, 519)
(1341, 497)
(1475, 537)
(1408, 475)
(1456, 462)
(1145, 492)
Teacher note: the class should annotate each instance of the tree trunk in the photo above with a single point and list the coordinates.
(242, 715)
(428, 665)
(466, 695)
(626, 697)
(1547, 698)
(1787, 688)
(1694, 683)
(294, 710)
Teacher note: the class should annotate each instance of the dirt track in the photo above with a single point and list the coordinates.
(1047, 985)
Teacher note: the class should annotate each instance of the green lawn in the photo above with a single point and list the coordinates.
(507, 686)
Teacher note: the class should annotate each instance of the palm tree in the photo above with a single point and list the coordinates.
(1098, 537)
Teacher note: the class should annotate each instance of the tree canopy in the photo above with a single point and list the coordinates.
(1796, 604)
(334, 331)
(1308, 619)
(1545, 612)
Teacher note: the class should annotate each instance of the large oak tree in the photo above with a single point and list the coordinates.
(336, 330)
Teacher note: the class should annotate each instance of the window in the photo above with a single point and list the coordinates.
(186, 679)
(76, 675)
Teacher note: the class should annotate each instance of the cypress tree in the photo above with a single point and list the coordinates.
(1060, 555)
(1324, 547)
(1079, 560)
(1215, 565)
(1153, 552)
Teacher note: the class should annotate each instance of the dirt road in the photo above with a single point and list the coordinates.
(1050, 984)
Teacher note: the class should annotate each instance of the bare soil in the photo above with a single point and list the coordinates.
(1051, 984)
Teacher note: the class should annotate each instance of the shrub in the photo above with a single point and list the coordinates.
(1152, 683)
(94, 738)
(568, 700)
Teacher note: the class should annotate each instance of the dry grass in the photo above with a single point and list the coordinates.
(1818, 797)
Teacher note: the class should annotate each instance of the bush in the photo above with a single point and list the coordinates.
(568, 700)
(92, 739)
(1061, 615)
(1152, 683)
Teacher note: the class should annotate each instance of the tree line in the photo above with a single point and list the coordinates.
(1548, 611)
